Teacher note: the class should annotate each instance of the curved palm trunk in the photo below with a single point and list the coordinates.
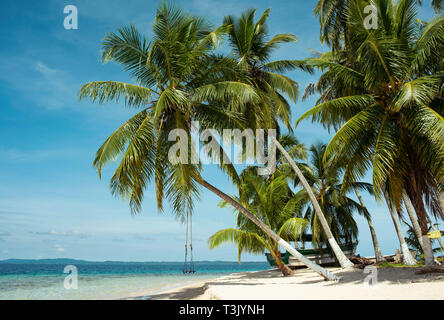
(323, 272)
(413, 219)
(407, 257)
(418, 204)
(414, 193)
(342, 259)
(441, 205)
(424, 242)
(378, 252)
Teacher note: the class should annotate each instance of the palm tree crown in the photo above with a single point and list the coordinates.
(178, 79)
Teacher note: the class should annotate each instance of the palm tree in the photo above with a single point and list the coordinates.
(179, 79)
(334, 19)
(273, 202)
(253, 51)
(338, 208)
(388, 105)
(354, 186)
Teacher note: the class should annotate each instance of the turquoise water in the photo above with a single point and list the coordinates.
(107, 280)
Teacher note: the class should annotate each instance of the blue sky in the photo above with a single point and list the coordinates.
(52, 204)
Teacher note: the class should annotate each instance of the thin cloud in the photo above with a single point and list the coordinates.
(72, 233)
(143, 237)
(34, 155)
(47, 86)
(44, 69)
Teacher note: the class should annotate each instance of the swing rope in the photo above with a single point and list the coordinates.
(185, 265)
(191, 245)
(189, 267)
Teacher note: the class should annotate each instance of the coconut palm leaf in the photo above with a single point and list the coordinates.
(245, 241)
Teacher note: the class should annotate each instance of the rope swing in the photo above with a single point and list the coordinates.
(188, 267)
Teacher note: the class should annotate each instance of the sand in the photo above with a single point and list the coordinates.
(392, 284)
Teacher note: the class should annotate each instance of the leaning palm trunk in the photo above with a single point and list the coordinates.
(441, 204)
(413, 219)
(342, 259)
(407, 257)
(424, 241)
(417, 203)
(323, 272)
(378, 252)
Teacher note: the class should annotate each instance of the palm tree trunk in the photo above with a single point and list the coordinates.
(425, 244)
(378, 252)
(414, 193)
(407, 257)
(413, 219)
(418, 204)
(340, 256)
(323, 272)
(286, 271)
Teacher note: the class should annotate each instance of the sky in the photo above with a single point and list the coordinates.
(52, 203)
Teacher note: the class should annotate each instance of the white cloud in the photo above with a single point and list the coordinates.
(72, 233)
(44, 69)
(47, 86)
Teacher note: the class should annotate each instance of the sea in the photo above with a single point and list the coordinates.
(84, 280)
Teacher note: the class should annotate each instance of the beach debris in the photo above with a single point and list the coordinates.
(361, 262)
(398, 257)
(431, 269)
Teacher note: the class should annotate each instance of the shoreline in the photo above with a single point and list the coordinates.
(172, 290)
(392, 284)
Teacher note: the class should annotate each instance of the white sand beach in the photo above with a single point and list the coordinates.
(392, 284)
